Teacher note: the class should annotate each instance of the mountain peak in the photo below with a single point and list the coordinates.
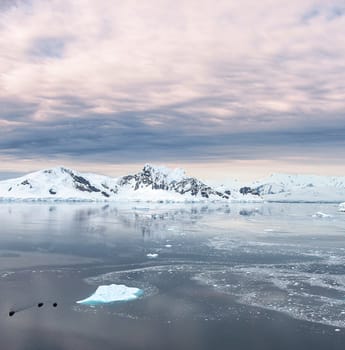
(58, 169)
(163, 172)
(173, 181)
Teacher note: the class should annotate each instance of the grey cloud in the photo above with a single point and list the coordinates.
(310, 14)
(335, 12)
(12, 110)
(99, 139)
(47, 47)
(330, 11)
(5, 175)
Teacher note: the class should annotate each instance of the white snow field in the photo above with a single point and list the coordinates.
(301, 188)
(112, 293)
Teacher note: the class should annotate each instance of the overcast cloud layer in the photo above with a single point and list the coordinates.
(172, 81)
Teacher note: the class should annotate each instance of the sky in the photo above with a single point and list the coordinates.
(224, 88)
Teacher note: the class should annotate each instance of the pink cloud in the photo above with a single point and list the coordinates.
(224, 66)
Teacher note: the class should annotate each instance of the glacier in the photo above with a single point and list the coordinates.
(112, 293)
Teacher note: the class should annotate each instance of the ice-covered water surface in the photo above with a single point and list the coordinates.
(280, 257)
(294, 265)
(313, 291)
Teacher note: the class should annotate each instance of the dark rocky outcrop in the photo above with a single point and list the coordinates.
(81, 183)
(248, 190)
(26, 183)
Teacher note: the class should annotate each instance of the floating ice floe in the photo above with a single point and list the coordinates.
(319, 214)
(112, 293)
(342, 207)
(168, 246)
(152, 255)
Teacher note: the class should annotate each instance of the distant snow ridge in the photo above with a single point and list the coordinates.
(299, 188)
(153, 183)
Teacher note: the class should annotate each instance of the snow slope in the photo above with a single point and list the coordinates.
(58, 184)
(300, 188)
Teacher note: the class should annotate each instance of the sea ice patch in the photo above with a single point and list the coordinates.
(112, 293)
(321, 215)
(152, 255)
(342, 207)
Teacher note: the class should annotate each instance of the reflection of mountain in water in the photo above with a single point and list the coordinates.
(96, 230)
(250, 212)
(157, 222)
(96, 220)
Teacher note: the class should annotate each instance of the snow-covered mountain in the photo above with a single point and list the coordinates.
(171, 181)
(151, 184)
(58, 183)
(158, 183)
(298, 188)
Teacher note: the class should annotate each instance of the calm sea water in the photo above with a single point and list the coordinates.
(254, 276)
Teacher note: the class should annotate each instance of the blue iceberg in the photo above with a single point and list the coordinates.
(112, 293)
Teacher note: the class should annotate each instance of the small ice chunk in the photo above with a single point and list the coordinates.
(168, 246)
(152, 255)
(342, 206)
(319, 214)
(337, 330)
(112, 293)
